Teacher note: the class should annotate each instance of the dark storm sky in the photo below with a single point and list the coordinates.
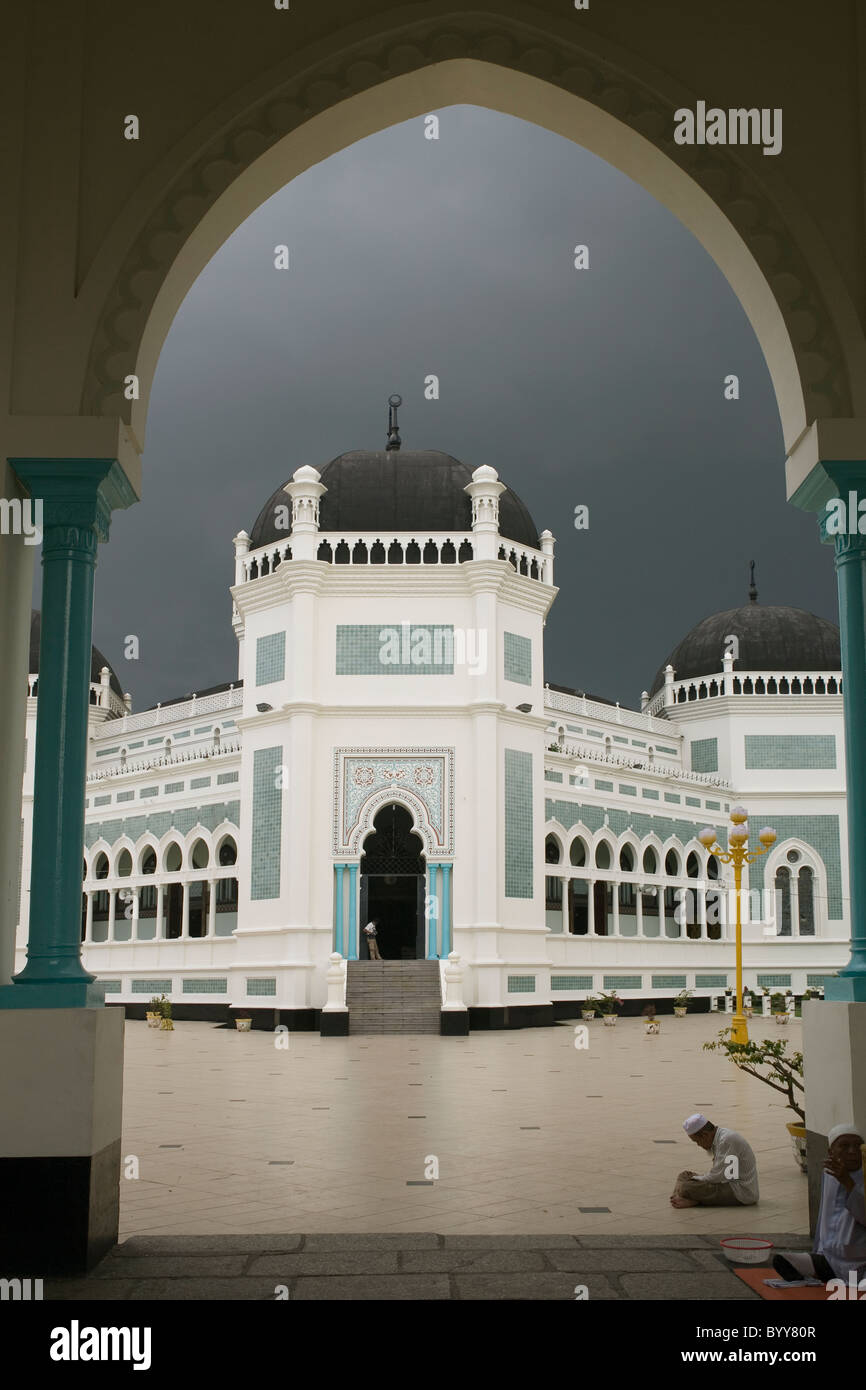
(602, 386)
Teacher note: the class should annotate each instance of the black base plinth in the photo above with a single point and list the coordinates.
(60, 1215)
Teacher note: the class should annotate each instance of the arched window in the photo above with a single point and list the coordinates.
(626, 859)
(693, 867)
(806, 902)
(124, 864)
(602, 855)
(148, 860)
(650, 861)
(100, 868)
(552, 853)
(672, 864)
(228, 851)
(577, 853)
(200, 855)
(783, 901)
(173, 858)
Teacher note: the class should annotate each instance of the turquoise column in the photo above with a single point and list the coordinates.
(849, 478)
(339, 870)
(433, 913)
(78, 496)
(446, 911)
(352, 944)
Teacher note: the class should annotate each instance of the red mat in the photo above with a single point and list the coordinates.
(755, 1277)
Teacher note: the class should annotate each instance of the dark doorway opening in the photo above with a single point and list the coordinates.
(392, 886)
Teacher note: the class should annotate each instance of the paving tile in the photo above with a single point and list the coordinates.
(380, 1241)
(332, 1262)
(531, 1286)
(205, 1290)
(694, 1288)
(206, 1245)
(632, 1242)
(510, 1242)
(87, 1290)
(170, 1266)
(473, 1261)
(420, 1287)
(619, 1261)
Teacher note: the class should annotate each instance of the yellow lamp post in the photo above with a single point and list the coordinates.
(738, 855)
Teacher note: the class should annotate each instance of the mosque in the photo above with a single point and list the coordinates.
(393, 746)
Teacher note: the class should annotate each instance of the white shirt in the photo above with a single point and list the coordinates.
(370, 929)
(728, 1144)
(841, 1232)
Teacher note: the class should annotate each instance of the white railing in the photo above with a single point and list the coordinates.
(193, 708)
(611, 714)
(174, 760)
(686, 692)
(395, 548)
(642, 765)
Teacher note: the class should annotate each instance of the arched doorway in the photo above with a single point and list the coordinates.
(392, 885)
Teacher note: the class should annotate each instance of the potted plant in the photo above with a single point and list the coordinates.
(681, 1003)
(243, 1023)
(747, 1003)
(167, 1024)
(607, 1006)
(771, 1063)
(651, 1024)
(153, 1013)
(778, 1008)
(588, 1008)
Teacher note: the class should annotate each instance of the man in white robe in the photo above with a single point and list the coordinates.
(840, 1235)
(733, 1179)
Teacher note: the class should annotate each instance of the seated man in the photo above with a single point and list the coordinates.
(840, 1235)
(733, 1179)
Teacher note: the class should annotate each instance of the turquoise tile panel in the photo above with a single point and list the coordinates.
(571, 982)
(521, 984)
(622, 982)
(262, 986)
(206, 986)
(705, 755)
(267, 824)
(518, 659)
(271, 658)
(788, 751)
(668, 981)
(518, 824)
(822, 833)
(411, 649)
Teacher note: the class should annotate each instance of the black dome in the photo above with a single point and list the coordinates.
(398, 490)
(97, 660)
(771, 639)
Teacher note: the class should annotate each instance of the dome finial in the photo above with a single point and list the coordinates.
(393, 431)
(753, 592)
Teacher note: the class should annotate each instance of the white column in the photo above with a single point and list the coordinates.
(701, 894)
(639, 910)
(211, 907)
(615, 896)
(112, 901)
(159, 929)
(184, 920)
(88, 923)
(590, 913)
(564, 882)
(136, 910)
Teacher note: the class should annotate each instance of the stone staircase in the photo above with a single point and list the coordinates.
(393, 996)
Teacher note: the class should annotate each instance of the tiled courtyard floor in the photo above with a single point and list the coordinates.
(234, 1135)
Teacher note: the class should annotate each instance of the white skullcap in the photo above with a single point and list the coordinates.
(838, 1130)
(695, 1123)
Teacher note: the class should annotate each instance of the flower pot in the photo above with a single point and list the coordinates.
(652, 1025)
(167, 1025)
(781, 1018)
(243, 1025)
(747, 1010)
(153, 1020)
(608, 1020)
(680, 1012)
(798, 1144)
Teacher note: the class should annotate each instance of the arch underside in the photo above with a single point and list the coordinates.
(608, 102)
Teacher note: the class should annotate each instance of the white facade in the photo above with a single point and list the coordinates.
(558, 842)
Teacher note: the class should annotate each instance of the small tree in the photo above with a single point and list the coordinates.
(783, 1070)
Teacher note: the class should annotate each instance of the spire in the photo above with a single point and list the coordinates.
(393, 431)
(753, 592)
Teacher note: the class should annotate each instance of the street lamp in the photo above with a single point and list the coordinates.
(738, 855)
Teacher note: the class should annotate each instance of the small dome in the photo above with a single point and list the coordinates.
(420, 490)
(97, 660)
(770, 639)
